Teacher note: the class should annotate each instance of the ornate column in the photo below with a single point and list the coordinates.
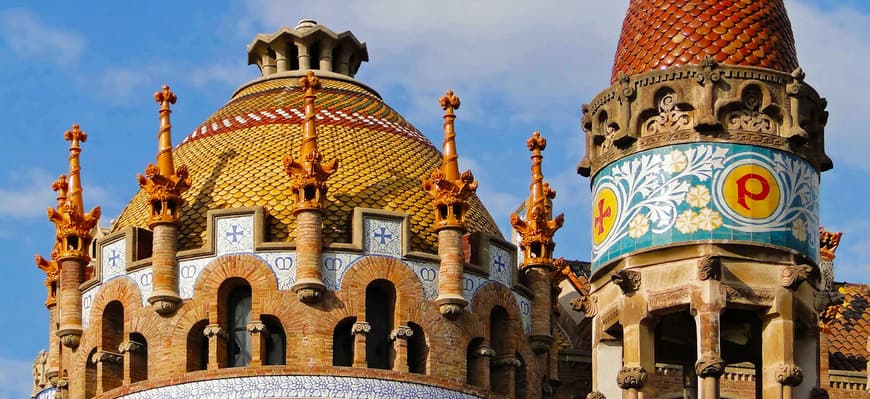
(110, 372)
(450, 191)
(217, 339)
(164, 184)
(638, 339)
(259, 334)
(308, 178)
(708, 302)
(780, 372)
(537, 245)
(73, 234)
(482, 367)
(400, 337)
(359, 330)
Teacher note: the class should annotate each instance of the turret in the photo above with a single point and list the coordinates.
(450, 191)
(164, 184)
(308, 177)
(73, 234)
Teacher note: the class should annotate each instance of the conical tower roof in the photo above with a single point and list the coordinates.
(657, 34)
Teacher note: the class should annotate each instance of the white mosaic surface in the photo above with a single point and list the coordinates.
(48, 393)
(525, 312)
(87, 303)
(334, 266)
(234, 234)
(382, 236)
(428, 275)
(501, 265)
(143, 279)
(298, 387)
(113, 260)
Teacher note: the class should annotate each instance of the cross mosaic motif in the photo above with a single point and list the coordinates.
(603, 213)
(383, 235)
(114, 258)
(499, 264)
(234, 235)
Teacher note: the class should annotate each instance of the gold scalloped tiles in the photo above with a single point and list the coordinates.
(382, 162)
(658, 34)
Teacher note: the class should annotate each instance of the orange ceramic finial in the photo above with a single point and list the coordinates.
(61, 186)
(450, 188)
(73, 226)
(309, 174)
(163, 182)
(538, 228)
(52, 272)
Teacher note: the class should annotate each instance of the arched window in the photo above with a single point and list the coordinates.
(197, 347)
(474, 363)
(499, 328)
(238, 316)
(112, 334)
(380, 306)
(276, 341)
(138, 358)
(91, 375)
(418, 350)
(342, 343)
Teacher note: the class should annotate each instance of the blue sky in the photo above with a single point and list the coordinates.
(520, 67)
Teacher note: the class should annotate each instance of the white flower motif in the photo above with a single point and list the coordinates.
(799, 229)
(639, 226)
(708, 219)
(675, 161)
(698, 196)
(686, 222)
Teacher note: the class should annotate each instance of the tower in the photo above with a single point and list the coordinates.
(704, 155)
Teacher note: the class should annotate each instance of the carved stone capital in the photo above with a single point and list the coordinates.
(214, 331)
(709, 366)
(627, 280)
(107, 357)
(595, 395)
(401, 332)
(710, 268)
(507, 361)
(791, 277)
(257, 327)
(71, 340)
(540, 343)
(131, 346)
(361, 327)
(789, 374)
(631, 378)
(483, 351)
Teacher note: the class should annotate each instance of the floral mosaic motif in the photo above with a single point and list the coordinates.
(707, 191)
(298, 386)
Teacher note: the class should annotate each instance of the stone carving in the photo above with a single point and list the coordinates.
(624, 137)
(588, 304)
(710, 268)
(668, 298)
(671, 117)
(709, 366)
(107, 357)
(610, 317)
(631, 378)
(401, 332)
(506, 361)
(751, 118)
(71, 340)
(585, 165)
(257, 327)
(484, 351)
(361, 327)
(214, 330)
(131, 347)
(749, 295)
(708, 77)
(627, 280)
(40, 371)
(789, 374)
(793, 89)
(792, 276)
(595, 395)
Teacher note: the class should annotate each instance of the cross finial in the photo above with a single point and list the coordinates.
(309, 83)
(60, 185)
(449, 102)
(536, 142)
(164, 97)
(75, 136)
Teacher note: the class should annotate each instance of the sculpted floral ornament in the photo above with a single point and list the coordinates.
(595, 395)
(401, 332)
(793, 276)
(450, 189)
(710, 268)
(361, 327)
(671, 118)
(631, 378)
(789, 374)
(710, 366)
(627, 280)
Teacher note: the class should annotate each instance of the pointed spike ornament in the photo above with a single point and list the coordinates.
(163, 182)
(52, 274)
(539, 226)
(308, 175)
(448, 187)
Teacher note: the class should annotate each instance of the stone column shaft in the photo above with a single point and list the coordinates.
(259, 334)
(326, 57)
(779, 371)
(400, 362)
(359, 331)
(304, 58)
(638, 350)
(450, 272)
(309, 249)
(539, 282)
(164, 266)
(72, 271)
(269, 64)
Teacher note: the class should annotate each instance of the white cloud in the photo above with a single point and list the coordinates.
(15, 378)
(226, 74)
(28, 194)
(26, 35)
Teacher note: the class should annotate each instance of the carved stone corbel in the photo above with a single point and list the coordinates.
(507, 361)
(624, 137)
(627, 280)
(789, 374)
(710, 268)
(791, 277)
(257, 327)
(131, 346)
(484, 351)
(631, 378)
(706, 121)
(361, 327)
(795, 133)
(401, 332)
(214, 330)
(107, 357)
(595, 395)
(709, 366)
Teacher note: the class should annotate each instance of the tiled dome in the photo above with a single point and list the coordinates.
(235, 160)
(657, 34)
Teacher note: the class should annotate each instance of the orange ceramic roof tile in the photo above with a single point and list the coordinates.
(657, 34)
(235, 160)
(849, 329)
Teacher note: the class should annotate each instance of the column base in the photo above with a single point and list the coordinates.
(164, 303)
(309, 290)
(451, 305)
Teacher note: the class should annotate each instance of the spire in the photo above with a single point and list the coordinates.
(308, 175)
(450, 188)
(73, 226)
(538, 228)
(163, 182)
(52, 272)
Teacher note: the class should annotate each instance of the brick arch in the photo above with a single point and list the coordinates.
(409, 289)
(191, 312)
(244, 266)
(490, 295)
(121, 289)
